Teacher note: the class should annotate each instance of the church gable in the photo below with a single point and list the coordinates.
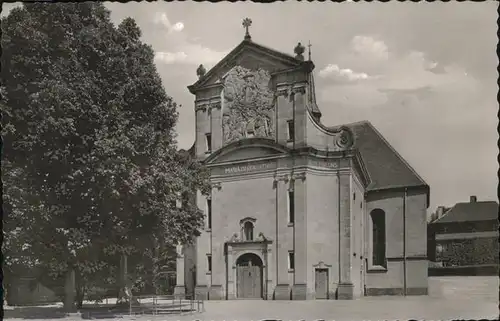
(248, 55)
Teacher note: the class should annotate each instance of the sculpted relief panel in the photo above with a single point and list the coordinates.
(248, 109)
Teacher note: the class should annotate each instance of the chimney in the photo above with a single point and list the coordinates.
(473, 199)
(439, 211)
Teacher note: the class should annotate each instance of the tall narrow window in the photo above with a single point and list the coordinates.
(209, 261)
(208, 138)
(209, 213)
(291, 260)
(378, 241)
(248, 231)
(291, 207)
(291, 130)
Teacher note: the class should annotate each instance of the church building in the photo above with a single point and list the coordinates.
(298, 210)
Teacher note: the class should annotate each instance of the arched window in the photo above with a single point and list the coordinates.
(248, 231)
(378, 237)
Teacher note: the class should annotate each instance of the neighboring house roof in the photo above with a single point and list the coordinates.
(386, 168)
(470, 212)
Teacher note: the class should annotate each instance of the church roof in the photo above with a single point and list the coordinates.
(470, 211)
(385, 167)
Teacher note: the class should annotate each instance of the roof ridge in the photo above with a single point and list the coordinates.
(396, 152)
(272, 49)
(350, 124)
(477, 202)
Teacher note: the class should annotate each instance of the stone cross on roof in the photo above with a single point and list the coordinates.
(247, 22)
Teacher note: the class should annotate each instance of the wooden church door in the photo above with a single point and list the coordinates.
(249, 282)
(321, 283)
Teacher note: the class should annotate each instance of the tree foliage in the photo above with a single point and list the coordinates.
(90, 163)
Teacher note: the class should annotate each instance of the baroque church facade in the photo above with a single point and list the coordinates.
(297, 210)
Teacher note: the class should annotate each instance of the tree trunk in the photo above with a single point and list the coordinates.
(124, 290)
(156, 270)
(70, 291)
(80, 295)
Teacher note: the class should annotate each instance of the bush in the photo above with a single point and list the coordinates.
(470, 252)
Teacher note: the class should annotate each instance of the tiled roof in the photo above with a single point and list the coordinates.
(386, 168)
(468, 212)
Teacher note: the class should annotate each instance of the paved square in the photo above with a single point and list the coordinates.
(449, 298)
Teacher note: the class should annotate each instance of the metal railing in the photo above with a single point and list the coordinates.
(162, 304)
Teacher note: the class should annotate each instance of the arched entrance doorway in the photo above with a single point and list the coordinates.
(249, 276)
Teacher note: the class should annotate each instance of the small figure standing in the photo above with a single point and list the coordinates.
(201, 71)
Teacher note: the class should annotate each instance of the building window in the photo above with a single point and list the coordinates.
(209, 261)
(209, 213)
(378, 241)
(291, 130)
(208, 138)
(291, 207)
(291, 260)
(248, 231)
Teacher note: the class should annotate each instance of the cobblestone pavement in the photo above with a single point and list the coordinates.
(449, 298)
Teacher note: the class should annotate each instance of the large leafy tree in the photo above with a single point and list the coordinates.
(90, 163)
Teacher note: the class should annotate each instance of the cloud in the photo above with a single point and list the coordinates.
(436, 68)
(162, 19)
(366, 45)
(406, 78)
(182, 49)
(334, 72)
(193, 54)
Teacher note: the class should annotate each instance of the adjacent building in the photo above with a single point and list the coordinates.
(465, 235)
(298, 210)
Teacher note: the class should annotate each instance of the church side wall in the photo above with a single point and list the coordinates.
(416, 235)
(322, 229)
(392, 281)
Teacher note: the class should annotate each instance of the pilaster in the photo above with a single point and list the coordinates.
(345, 287)
(299, 105)
(231, 282)
(268, 256)
(202, 128)
(298, 184)
(216, 125)
(216, 246)
(284, 113)
(282, 244)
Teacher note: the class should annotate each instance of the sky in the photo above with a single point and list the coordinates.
(423, 73)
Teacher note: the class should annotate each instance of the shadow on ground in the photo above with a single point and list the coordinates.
(36, 312)
(90, 312)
